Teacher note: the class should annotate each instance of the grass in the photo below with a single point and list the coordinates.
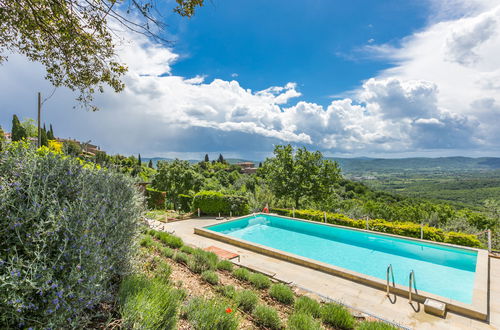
(210, 276)
(282, 293)
(187, 249)
(259, 281)
(225, 265)
(166, 252)
(366, 325)
(181, 258)
(242, 274)
(246, 300)
(267, 317)
(302, 321)
(163, 270)
(146, 241)
(307, 306)
(227, 291)
(210, 314)
(337, 316)
(148, 303)
(201, 261)
(167, 239)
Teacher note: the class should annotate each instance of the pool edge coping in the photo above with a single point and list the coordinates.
(478, 309)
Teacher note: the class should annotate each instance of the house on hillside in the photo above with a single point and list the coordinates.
(247, 167)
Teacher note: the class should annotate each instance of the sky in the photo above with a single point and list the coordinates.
(385, 78)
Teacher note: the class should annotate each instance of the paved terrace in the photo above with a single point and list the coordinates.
(357, 296)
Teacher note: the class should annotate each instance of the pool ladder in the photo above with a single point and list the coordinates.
(411, 281)
(411, 284)
(389, 271)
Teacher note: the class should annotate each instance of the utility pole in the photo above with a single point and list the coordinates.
(39, 141)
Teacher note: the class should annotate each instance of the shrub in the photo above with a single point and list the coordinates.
(259, 281)
(167, 239)
(187, 249)
(181, 258)
(66, 236)
(267, 317)
(307, 306)
(409, 229)
(201, 261)
(246, 300)
(148, 303)
(227, 291)
(366, 325)
(185, 202)
(214, 202)
(242, 274)
(155, 199)
(163, 270)
(225, 265)
(146, 241)
(210, 314)
(166, 252)
(210, 277)
(282, 293)
(302, 321)
(337, 316)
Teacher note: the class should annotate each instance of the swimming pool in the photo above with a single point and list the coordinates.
(442, 270)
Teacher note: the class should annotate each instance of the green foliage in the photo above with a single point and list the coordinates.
(300, 174)
(210, 276)
(267, 317)
(337, 316)
(72, 148)
(163, 271)
(225, 265)
(307, 306)
(167, 239)
(146, 241)
(18, 131)
(30, 127)
(367, 325)
(44, 141)
(148, 303)
(187, 249)
(181, 258)
(201, 261)
(246, 300)
(2, 138)
(213, 203)
(408, 229)
(166, 252)
(282, 293)
(175, 178)
(185, 202)
(67, 234)
(210, 314)
(155, 199)
(242, 274)
(227, 291)
(259, 281)
(302, 321)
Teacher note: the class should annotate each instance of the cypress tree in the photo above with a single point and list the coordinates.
(221, 159)
(150, 164)
(18, 131)
(260, 164)
(50, 133)
(2, 138)
(206, 158)
(44, 141)
(139, 161)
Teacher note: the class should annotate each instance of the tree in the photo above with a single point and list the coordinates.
(139, 161)
(300, 174)
(220, 159)
(2, 138)
(44, 141)
(50, 134)
(177, 177)
(260, 164)
(74, 39)
(30, 127)
(18, 131)
(72, 148)
(150, 164)
(206, 158)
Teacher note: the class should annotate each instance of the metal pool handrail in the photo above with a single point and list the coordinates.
(412, 281)
(389, 270)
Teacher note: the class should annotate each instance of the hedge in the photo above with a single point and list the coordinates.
(213, 203)
(409, 229)
(185, 202)
(155, 199)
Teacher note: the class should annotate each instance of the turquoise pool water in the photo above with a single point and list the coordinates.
(442, 270)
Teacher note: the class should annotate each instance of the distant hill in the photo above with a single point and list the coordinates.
(194, 161)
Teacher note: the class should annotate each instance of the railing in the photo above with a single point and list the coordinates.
(389, 270)
(412, 281)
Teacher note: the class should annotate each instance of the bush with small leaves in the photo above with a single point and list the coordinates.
(308, 306)
(187, 249)
(146, 241)
(167, 239)
(282, 293)
(201, 261)
(337, 316)
(367, 325)
(181, 258)
(210, 276)
(302, 321)
(163, 270)
(246, 300)
(166, 252)
(242, 274)
(210, 314)
(267, 317)
(225, 265)
(259, 281)
(227, 291)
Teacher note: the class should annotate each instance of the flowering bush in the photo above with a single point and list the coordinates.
(65, 236)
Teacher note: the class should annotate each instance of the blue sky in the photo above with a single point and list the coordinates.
(362, 78)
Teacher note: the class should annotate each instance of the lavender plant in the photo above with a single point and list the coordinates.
(65, 233)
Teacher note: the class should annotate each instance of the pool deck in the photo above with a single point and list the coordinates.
(358, 296)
